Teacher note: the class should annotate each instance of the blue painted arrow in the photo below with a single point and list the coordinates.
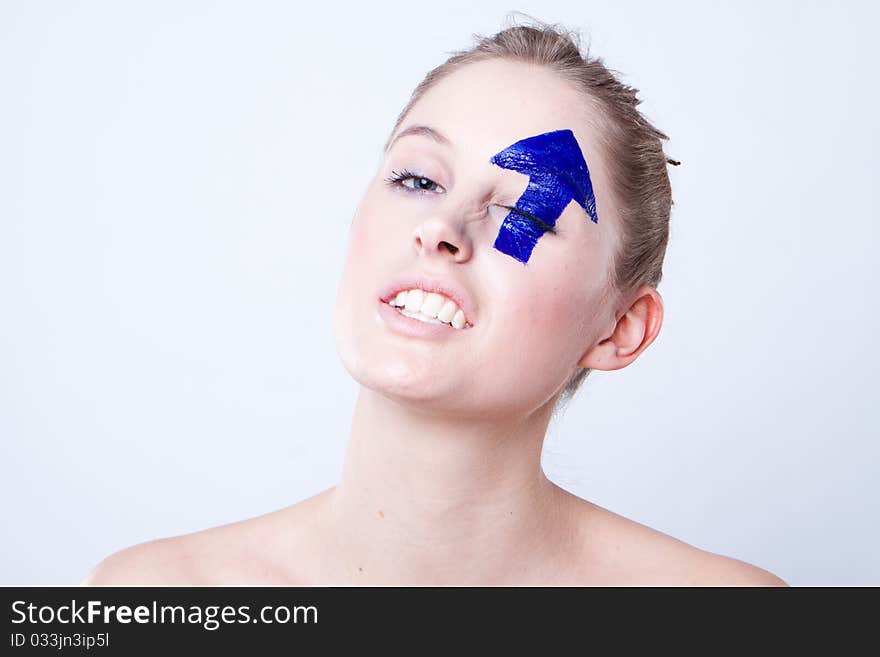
(557, 174)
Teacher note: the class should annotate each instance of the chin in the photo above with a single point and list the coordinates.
(381, 363)
(400, 380)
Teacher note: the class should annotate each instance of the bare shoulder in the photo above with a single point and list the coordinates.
(236, 553)
(717, 570)
(254, 551)
(166, 561)
(625, 552)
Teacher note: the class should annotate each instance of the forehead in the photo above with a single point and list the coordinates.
(486, 106)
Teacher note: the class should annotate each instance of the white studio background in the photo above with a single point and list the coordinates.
(178, 180)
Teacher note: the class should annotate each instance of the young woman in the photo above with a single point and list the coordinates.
(510, 242)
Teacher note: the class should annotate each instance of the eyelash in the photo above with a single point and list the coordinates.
(396, 180)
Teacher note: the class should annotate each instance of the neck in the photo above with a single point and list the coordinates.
(425, 499)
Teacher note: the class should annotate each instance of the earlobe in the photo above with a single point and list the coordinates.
(634, 331)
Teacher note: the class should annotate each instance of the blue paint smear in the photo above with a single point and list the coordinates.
(557, 174)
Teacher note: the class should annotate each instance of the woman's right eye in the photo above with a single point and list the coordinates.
(419, 183)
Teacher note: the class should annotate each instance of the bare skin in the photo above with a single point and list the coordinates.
(289, 547)
(442, 482)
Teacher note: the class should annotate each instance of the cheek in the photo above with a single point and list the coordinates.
(537, 341)
(366, 232)
(364, 246)
(369, 248)
(552, 311)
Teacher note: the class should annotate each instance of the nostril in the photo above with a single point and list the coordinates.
(452, 249)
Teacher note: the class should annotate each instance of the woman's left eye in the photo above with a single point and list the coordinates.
(419, 183)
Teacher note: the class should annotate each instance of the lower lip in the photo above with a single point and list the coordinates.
(414, 327)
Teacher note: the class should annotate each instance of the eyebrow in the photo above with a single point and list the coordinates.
(425, 131)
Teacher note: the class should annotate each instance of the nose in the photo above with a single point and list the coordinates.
(442, 237)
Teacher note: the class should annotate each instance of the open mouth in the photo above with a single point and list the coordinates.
(429, 307)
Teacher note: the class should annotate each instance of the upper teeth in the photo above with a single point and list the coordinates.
(430, 305)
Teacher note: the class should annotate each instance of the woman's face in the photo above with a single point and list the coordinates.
(536, 301)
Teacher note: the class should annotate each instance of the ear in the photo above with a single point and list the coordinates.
(634, 331)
